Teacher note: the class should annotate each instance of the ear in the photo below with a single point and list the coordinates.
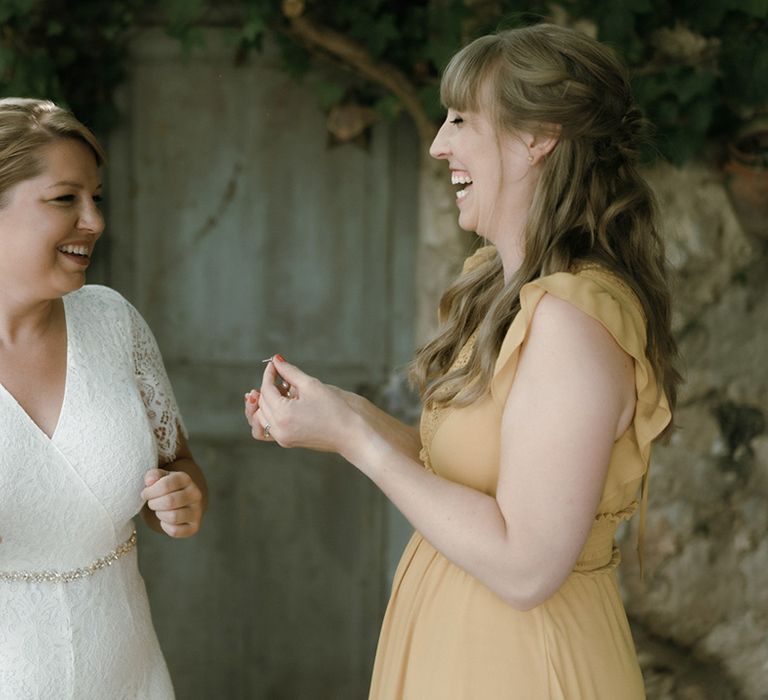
(541, 144)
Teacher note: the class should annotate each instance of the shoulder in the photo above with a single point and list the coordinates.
(97, 294)
(563, 332)
(97, 305)
(557, 315)
(596, 292)
(588, 286)
(585, 313)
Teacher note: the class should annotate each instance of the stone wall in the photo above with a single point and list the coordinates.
(704, 596)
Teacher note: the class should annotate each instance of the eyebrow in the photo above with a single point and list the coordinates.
(69, 183)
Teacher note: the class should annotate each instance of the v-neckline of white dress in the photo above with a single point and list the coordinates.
(67, 375)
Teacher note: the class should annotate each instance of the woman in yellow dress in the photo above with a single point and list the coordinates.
(551, 375)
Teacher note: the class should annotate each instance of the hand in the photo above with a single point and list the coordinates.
(176, 501)
(314, 415)
(252, 399)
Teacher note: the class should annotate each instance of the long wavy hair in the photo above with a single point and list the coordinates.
(590, 204)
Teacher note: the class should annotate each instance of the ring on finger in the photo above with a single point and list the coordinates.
(266, 430)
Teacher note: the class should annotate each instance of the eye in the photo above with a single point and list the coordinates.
(456, 120)
(65, 198)
(97, 198)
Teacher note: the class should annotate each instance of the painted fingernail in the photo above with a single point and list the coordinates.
(279, 357)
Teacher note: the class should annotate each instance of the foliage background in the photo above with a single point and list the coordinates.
(700, 67)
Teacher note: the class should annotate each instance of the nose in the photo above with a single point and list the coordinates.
(440, 147)
(91, 219)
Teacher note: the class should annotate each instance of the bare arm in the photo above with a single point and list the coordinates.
(405, 438)
(573, 395)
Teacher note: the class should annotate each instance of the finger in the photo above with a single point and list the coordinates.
(178, 516)
(284, 387)
(172, 481)
(180, 531)
(260, 424)
(251, 404)
(187, 497)
(153, 476)
(269, 390)
(290, 373)
(275, 386)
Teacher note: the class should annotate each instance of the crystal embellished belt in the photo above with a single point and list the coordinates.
(73, 574)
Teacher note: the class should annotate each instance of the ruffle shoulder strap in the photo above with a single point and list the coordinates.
(608, 300)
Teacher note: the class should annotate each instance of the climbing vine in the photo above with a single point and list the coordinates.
(700, 67)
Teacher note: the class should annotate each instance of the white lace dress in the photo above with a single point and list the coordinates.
(68, 502)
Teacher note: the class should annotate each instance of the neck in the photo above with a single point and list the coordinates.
(509, 239)
(512, 255)
(24, 319)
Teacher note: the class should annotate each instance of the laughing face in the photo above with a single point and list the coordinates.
(492, 171)
(49, 224)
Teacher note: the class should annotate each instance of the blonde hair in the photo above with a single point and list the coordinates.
(590, 204)
(25, 126)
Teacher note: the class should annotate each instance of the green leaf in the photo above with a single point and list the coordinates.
(666, 111)
(698, 117)
(328, 94)
(379, 34)
(693, 83)
(756, 8)
(55, 28)
(182, 12)
(23, 6)
(430, 98)
(66, 56)
(253, 29)
(683, 145)
(445, 28)
(616, 23)
(637, 6)
(295, 59)
(388, 106)
(12, 9)
(7, 59)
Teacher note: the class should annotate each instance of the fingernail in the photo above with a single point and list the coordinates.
(279, 357)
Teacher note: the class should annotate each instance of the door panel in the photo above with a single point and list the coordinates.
(238, 232)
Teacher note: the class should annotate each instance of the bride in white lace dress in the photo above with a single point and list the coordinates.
(90, 434)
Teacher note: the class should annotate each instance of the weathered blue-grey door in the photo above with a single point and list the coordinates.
(238, 232)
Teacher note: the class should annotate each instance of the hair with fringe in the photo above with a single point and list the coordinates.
(590, 204)
(25, 126)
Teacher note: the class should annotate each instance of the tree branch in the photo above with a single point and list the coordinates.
(354, 55)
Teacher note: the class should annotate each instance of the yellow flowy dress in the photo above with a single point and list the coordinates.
(445, 635)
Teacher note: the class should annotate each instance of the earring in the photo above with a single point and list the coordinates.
(530, 158)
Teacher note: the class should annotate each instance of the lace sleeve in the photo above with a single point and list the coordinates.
(155, 388)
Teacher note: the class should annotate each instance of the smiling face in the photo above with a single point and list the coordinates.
(49, 224)
(493, 171)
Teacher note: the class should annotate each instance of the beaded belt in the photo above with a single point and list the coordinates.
(73, 574)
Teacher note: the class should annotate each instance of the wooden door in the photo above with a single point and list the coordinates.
(238, 233)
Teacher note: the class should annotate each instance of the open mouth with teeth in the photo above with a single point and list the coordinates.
(461, 178)
(79, 253)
